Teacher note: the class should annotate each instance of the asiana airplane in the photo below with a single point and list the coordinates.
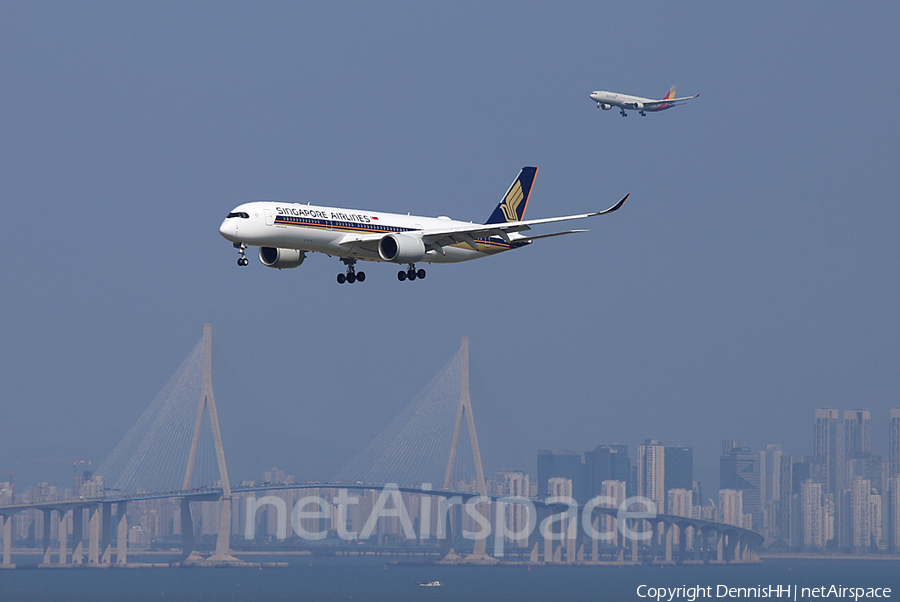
(608, 100)
(286, 232)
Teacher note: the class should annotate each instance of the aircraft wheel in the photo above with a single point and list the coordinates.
(360, 276)
(401, 275)
(411, 274)
(341, 278)
(351, 278)
(420, 273)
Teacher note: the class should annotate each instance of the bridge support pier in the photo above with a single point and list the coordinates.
(94, 535)
(6, 522)
(636, 525)
(668, 530)
(77, 535)
(106, 535)
(223, 536)
(188, 554)
(122, 534)
(63, 535)
(46, 535)
(6, 525)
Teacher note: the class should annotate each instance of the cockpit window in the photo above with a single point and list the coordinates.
(239, 214)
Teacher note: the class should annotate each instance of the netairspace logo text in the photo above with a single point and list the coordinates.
(788, 592)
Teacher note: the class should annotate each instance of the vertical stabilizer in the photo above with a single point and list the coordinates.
(671, 93)
(512, 206)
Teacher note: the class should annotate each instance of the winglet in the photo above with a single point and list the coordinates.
(614, 207)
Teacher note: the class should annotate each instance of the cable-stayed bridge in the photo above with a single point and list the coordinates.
(175, 450)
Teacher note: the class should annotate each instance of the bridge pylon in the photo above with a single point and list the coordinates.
(479, 553)
(205, 402)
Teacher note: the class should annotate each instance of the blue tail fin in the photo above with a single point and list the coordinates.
(512, 207)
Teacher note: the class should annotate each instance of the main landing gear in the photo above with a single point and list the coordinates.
(241, 247)
(411, 273)
(622, 111)
(352, 275)
(643, 114)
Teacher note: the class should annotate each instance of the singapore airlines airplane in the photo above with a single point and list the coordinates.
(608, 100)
(285, 232)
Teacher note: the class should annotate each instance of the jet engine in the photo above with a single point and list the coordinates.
(272, 257)
(605, 106)
(401, 248)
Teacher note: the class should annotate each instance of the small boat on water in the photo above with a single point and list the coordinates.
(434, 583)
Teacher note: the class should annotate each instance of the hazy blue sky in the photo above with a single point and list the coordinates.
(751, 278)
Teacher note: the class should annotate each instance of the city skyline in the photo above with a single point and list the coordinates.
(754, 487)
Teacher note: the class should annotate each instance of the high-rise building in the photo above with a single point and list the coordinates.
(792, 472)
(559, 487)
(512, 483)
(769, 488)
(739, 469)
(770, 473)
(680, 503)
(876, 512)
(893, 515)
(812, 517)
(605, 463)
(866, 466)
(651, 472)
(895, 443)
(515, 483)
(564, 464)
(829, 447)
(731, 507)
(857, 438)
(614, 492)
(679, 463)
(861, 519)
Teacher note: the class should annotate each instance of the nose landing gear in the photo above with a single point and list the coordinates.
(242, 260)
(411, 273)
(352, 275)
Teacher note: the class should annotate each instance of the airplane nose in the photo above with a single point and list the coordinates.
(225, 230)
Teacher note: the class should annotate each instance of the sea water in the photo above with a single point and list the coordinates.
(315, 578)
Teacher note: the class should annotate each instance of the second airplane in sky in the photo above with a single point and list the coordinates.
(608, 100)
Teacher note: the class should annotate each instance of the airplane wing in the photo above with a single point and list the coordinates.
(670, 101)
(467, 234)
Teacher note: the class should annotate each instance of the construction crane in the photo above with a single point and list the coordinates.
(75, 462)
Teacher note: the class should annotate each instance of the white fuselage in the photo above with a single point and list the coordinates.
(323, 229)
(625, 101)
